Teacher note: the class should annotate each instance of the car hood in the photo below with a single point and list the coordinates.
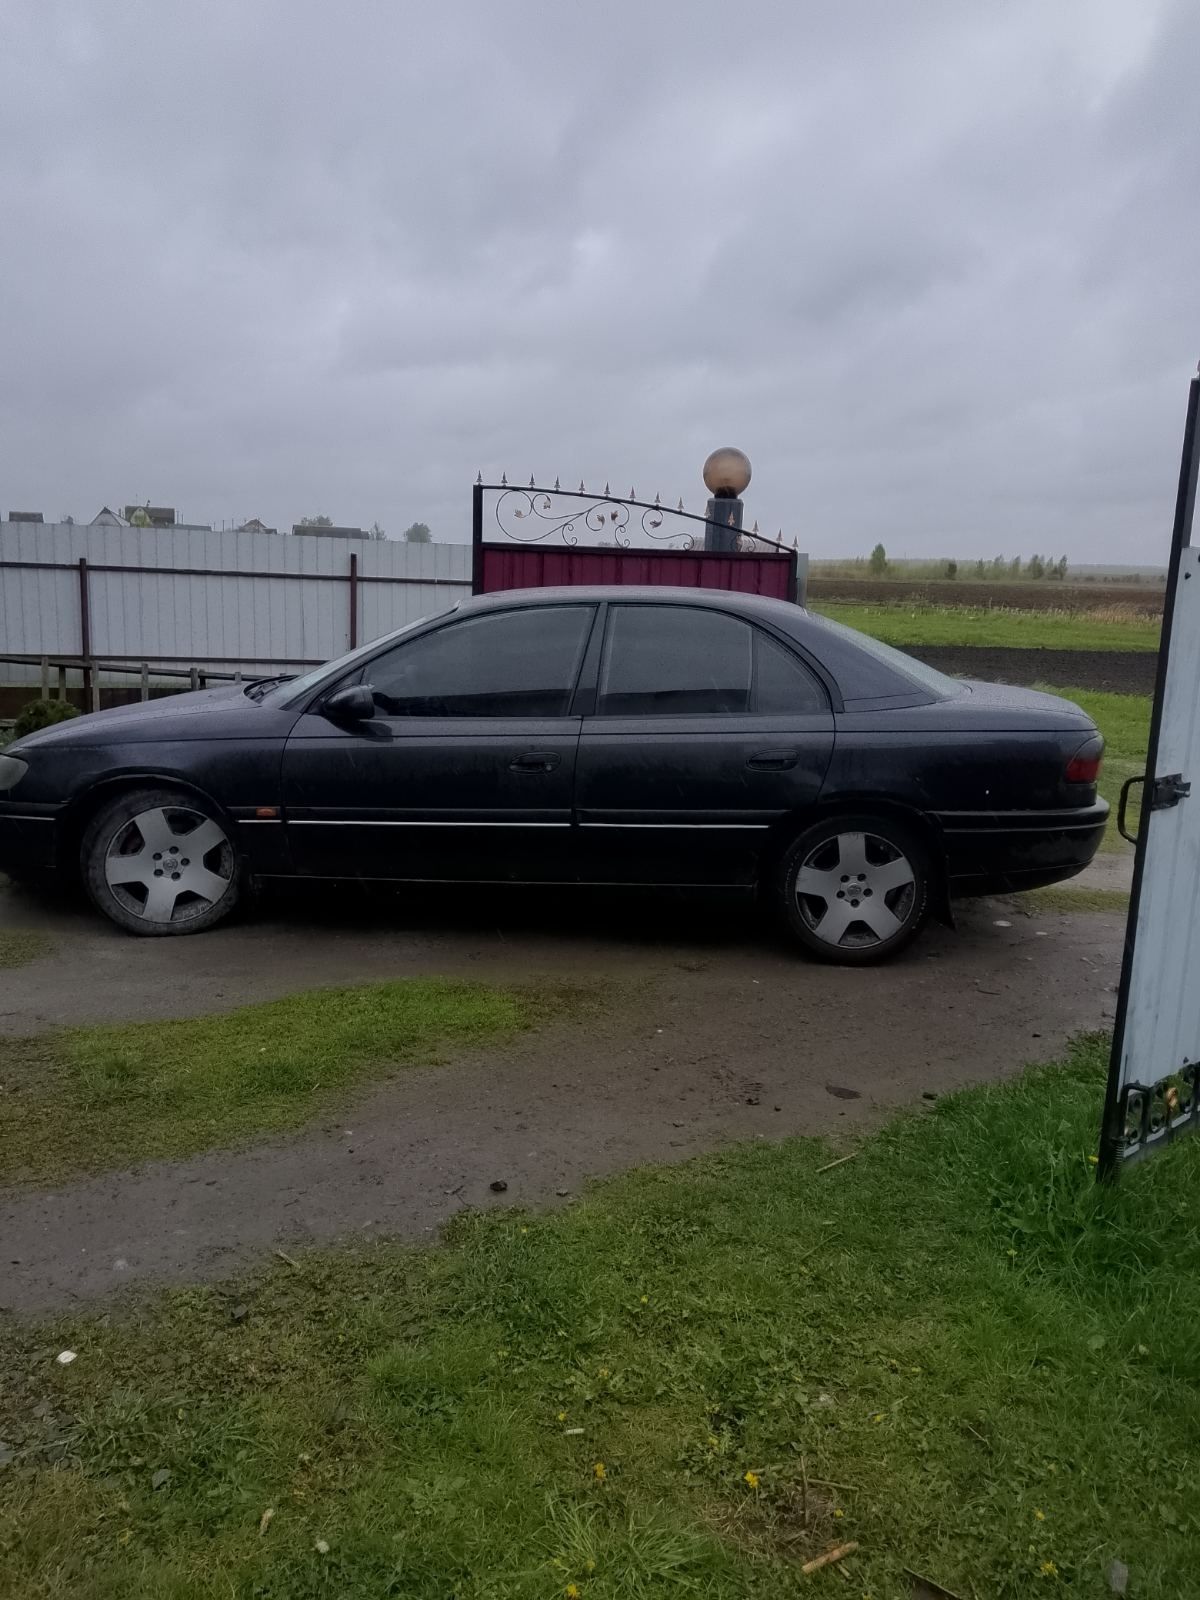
(173, 716)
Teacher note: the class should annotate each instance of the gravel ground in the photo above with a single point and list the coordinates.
(715, 1032)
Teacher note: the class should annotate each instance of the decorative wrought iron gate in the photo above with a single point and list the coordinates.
(1154, 1073)
(533, 538)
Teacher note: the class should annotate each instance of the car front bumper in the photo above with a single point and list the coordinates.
(1001, 852)
(29, 838)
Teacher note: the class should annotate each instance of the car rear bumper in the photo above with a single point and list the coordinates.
(29, 837)
(994, 852)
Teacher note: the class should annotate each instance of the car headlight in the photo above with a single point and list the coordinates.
(11, 772)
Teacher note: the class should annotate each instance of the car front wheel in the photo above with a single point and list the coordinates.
(158, 862)
(854, 889)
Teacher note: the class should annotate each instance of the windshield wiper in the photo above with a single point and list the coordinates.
(258, 689)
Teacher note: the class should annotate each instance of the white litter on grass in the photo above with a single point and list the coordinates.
(1000, 923)
(1041, 933)
(65, 1357)
(322, 1547)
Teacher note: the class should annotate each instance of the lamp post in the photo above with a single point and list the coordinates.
(726, 477)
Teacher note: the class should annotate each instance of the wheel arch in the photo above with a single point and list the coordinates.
(84, 806)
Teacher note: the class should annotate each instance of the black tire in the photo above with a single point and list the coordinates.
(196, 891)
(866, 873)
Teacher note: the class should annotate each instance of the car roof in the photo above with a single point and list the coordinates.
(660, 594)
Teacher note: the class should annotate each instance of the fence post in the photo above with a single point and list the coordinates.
(800, 578)
(145, 680)
(62, 681)
(91, 688)
(353, 599)
(195, 671)
(45, 677)
(477, 538)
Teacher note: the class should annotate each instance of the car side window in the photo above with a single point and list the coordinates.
(502, 664)
(662, 661)
(783, 685)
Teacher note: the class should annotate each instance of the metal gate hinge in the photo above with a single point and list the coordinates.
(1169, 791)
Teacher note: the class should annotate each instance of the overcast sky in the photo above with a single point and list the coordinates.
(933, 266)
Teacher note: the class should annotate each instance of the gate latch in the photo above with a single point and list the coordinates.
(1164, 793)
(1169, 791)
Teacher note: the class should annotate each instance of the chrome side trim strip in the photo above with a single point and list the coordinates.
(367, 822)
(370, 822)
(738, 827)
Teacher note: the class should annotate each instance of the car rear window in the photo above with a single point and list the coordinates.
(866, 669)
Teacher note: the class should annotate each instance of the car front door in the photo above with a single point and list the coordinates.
(706, 731)
(467, 768)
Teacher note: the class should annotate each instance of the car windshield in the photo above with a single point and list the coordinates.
(929, 678)
(293, 690)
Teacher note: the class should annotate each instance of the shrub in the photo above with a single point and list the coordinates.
(41, 714)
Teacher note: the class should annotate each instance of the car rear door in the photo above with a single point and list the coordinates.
(467, 768)
(705, 731)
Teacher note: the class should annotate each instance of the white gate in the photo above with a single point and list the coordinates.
(1154, 1075)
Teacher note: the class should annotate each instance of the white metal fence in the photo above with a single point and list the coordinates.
(245, 602)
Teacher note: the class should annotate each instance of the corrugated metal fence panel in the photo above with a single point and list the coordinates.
(506, 567)
(37, 605)
(437, 577)
(227, 599)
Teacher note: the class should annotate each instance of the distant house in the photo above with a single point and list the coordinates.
(330, 533)
(25, 516)
(105, 518)
(255, 526)
(162, 518)
(150, 516)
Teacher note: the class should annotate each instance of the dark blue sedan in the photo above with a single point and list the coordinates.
(576, 736)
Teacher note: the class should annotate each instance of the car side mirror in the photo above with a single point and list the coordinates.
(353, 704)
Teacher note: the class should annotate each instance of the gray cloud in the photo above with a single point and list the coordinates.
(933, 266)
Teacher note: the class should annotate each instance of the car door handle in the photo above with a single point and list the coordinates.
(536, 761)
(773, 760)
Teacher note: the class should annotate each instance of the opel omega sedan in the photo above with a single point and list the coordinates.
(672, 737)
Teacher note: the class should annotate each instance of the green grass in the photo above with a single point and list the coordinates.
(979, 1363)
(18, 949)
(994, 627)
(90, 1098)
(1062, 897)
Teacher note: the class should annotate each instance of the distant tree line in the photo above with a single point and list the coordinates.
(999, 567)
(1035, 567)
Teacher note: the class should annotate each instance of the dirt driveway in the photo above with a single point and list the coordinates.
(715, 1032)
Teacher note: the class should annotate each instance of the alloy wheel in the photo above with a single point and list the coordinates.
(856, 890)
(169, 864)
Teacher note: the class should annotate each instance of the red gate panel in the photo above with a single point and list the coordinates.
(511, 567)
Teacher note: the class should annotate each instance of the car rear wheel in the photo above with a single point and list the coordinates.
(159, 861)
(854, 889)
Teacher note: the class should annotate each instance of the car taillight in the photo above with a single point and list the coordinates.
(1084, 769)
